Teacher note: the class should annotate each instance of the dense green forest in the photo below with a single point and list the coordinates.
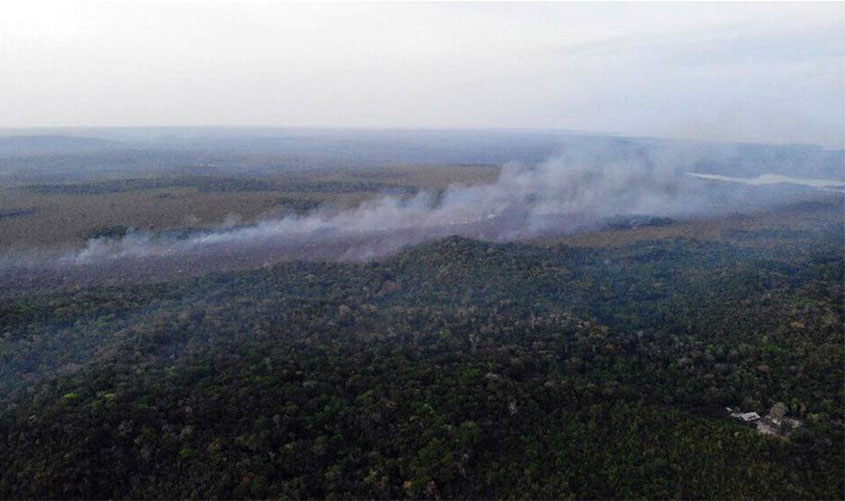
(456, 369)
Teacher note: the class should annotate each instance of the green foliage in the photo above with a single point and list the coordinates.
(457, 369)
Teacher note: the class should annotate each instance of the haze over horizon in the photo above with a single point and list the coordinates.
(770, 73)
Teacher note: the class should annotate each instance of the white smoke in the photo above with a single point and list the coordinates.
(573, 192)
(559, 195)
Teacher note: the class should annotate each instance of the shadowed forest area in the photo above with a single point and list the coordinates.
(455, 369)
(237, 317)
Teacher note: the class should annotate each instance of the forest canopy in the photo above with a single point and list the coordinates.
(455, 369)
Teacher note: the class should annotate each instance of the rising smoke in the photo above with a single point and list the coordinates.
(572, 192)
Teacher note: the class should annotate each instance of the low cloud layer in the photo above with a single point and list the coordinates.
(762, 72)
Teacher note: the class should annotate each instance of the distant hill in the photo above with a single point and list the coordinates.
(11, 146)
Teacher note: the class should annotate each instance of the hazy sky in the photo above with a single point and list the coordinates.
(737, 72)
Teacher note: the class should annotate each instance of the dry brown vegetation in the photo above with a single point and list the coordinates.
(46, 215)
(799, 217)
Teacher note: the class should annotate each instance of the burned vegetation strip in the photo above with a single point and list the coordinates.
(18, 213)
(201, 183)
(320, 186)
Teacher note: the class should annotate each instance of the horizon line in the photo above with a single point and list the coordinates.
(4, 130)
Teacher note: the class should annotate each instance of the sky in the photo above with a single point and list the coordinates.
(750, 72)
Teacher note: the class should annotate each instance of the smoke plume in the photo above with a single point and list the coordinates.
(577, 191)
(570, 193)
